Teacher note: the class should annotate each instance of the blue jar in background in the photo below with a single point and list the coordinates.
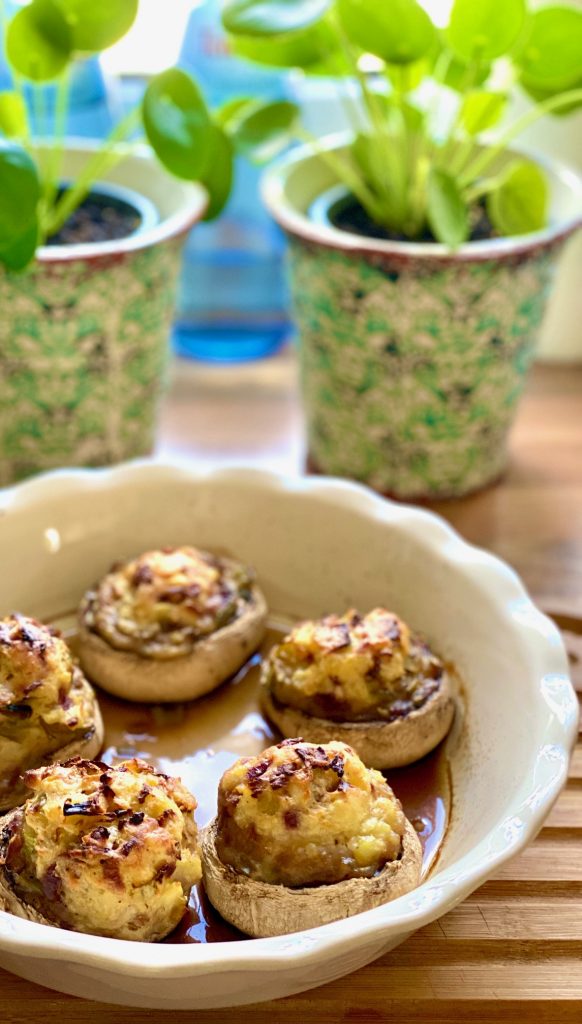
(232, 302)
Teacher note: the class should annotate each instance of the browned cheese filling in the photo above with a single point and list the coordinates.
(160, 604)
(301, 815)
(112, 851)
(353, 668)
(44, 701)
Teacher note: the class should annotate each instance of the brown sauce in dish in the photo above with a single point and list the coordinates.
(200, 740)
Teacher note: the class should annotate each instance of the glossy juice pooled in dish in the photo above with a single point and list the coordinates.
(198, 741)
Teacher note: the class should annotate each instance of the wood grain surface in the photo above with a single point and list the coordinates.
(512, 952)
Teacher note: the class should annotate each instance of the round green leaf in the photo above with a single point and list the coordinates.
(271, 17)
(539, 95)
(38, 41)
(263, 129)
(414, 118)
(13, 115)
(314, 46)
(551, 57)
(399, 32)
(97, 24)
(485, 29)
(460, 76)
(482, 110)
(447, 213)
(334, 63)
(19, 192)
(17, 254)
(407, 77)
(219, 172)
(177, 123)
(520, 204)
(228, 113)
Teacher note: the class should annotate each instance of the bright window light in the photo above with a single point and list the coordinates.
(153, 43)
(439, 10)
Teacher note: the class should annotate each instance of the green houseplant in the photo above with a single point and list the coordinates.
(421, 248)
(84, 317)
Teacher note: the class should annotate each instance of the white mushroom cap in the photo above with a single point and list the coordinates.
(213, 659)
(260, 909)
(380, 744)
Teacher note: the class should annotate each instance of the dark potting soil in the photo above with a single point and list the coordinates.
(100, 218)
(349, 215)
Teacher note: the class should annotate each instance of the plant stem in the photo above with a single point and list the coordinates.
(98, 164)
(461, 155)
(39, 110)
(426, 149)
(467, 83)
(392, 187)
(441, 68)
(55, 163)
(410, 212)
(342, 171)
(482, 162)
(351, 109)
(345, 95)
(482, 188)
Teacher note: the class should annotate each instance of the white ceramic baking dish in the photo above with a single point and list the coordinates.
(317, 545)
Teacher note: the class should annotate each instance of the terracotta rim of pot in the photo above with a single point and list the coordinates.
(279, 181)
(185, 203)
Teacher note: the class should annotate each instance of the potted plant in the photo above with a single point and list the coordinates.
(420, 250)
(90, 238)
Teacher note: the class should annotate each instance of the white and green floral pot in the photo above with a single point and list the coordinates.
(84, 333)
(413, 357)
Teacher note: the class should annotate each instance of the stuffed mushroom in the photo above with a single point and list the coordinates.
(48, 710)
(305, 835)
(110, 851)
(364, 679)
(170, 625)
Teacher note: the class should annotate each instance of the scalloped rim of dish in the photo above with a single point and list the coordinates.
(442, 890)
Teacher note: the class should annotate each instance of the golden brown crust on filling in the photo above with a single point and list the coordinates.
(111, 851)
(161, 603)
(45, 702)
(352, 668)
(300, 814)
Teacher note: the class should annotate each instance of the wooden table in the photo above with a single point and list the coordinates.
(513, 951)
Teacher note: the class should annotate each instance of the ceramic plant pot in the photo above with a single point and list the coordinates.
(413, 357)
(84, 332)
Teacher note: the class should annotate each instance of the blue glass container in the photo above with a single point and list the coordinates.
(233, 300)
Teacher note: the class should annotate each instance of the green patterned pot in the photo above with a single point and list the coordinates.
(84, 334)
(413, 358)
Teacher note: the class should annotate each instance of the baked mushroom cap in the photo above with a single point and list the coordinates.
(261, 909)
(365, 680)
(305, 835)
(170, 625)
(109, 851)
(48, 710)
